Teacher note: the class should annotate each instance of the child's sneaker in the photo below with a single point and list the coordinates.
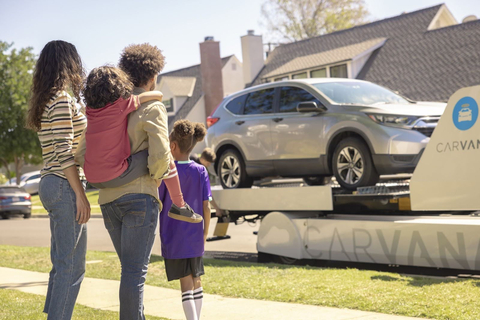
(184, 214)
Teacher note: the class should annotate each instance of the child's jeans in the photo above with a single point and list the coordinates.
(137, 167)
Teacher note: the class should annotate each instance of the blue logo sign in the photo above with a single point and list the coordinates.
(465, 113)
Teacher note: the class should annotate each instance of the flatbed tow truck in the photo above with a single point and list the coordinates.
(429, 221)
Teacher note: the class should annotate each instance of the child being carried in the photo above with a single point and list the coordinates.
(108, 162)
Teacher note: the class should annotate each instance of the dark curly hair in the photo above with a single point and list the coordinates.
(141, 62)
(208, 155)
(58, 67)
(105, 85)
(186, 134)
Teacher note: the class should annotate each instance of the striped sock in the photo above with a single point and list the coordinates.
(189, 305)
(198, 298)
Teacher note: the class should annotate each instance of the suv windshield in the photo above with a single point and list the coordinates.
(366, 93)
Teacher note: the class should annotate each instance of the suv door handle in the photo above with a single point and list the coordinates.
(240, 122)
(277, 119)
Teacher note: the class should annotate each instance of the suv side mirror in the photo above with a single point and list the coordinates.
(310, 106)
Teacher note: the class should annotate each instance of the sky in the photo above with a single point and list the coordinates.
(100, 29)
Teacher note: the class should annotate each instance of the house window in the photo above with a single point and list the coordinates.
(168, 105)
(281, 79)
(339, 71)
(302, 75)
(234, 66)
(320, 73)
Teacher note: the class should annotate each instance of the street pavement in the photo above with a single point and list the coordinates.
(35, 232)
(103, 294)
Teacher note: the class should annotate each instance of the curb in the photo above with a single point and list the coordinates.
(40, 216)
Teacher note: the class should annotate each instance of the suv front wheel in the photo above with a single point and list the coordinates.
(352, 164)
(231, 171)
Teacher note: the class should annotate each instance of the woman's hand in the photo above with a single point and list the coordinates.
(83, 208)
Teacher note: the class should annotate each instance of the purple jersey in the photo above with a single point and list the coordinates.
(182, 239)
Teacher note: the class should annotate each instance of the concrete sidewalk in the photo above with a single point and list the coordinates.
(103, 294)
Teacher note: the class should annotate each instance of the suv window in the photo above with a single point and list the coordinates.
(291, 96)
(235, 106)
(259, 102)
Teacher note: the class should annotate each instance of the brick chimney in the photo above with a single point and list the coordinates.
(252, 55)
(211, 70)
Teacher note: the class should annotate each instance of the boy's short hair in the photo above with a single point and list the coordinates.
(208, 155)
(105, 85)
(141, 62)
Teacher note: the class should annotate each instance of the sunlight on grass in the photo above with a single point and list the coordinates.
(343, 288)
(20, 305)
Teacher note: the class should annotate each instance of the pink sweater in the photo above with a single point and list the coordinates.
(107, 142)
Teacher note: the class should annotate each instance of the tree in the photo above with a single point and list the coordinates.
(294, 20)
(17, 144)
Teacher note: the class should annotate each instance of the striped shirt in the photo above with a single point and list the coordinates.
(61, 129)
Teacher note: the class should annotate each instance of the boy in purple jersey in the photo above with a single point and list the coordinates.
(183, 243)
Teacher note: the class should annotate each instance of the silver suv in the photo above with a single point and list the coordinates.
(316, 128)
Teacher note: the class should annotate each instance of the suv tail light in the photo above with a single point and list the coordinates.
(29, 197)
(211, 121)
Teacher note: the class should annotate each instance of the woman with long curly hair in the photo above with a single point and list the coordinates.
(59, 124)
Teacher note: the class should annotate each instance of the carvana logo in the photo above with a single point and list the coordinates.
(465, 113)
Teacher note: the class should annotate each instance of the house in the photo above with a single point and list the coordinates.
(193, 93)
(425, 55)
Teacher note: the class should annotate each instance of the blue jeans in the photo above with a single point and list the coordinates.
(131, 221)
(68, 247)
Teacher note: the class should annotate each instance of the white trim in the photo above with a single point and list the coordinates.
(190, 94)
(369, 51)
(443, 9)
(327, 67)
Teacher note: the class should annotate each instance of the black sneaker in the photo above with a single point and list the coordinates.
(184, 214)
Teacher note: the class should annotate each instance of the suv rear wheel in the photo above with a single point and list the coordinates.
(352, 164)
(231, 170)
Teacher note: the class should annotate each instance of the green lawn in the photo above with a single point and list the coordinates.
(353, 289)
(20, 305)
(92, 197)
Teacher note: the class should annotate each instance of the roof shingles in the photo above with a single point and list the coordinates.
(421, 64)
